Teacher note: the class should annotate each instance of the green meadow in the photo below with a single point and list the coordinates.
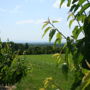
(43, 66)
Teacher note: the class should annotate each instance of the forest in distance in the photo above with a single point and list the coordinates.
(34, 48)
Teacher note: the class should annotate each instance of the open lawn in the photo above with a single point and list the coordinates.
(43, 66)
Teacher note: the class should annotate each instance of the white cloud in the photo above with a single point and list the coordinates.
(14, 10)
(38, 21)
(25, 22)
(57, 4)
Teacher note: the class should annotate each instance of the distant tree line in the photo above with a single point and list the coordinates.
(27, 49)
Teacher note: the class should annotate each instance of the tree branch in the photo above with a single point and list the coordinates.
(58, 30)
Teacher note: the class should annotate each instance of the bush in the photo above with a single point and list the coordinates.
(12, 67)
(17, 70)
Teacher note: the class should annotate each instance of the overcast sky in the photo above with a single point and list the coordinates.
(21, 20)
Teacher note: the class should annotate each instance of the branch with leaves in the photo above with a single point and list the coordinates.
(79, 49)
(53, 30)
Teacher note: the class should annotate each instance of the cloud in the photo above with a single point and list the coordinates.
(57, 4)
(24, 22)
(14, 10)
(38, 21)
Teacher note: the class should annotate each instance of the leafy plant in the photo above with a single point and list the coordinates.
(12, 67)
(79, 49)
(50, 84)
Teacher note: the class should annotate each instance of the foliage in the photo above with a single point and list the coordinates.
(50, 84)
(28, 49)
(12, 68)
(79, 49)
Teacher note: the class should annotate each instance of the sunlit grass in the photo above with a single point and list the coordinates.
(43, 66)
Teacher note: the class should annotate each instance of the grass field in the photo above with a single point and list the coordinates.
(43, 66)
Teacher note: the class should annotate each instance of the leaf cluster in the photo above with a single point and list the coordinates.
(12, 67)
(79, 49)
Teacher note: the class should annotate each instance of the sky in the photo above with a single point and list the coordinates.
(22, 20)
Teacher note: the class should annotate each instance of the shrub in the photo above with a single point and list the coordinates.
(12, 66)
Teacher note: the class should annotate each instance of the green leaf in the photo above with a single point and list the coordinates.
(86, 6)
(70, 23)
(66, 54)
(86, 82)
(55, 21)
(76, 8)
(74, 1)
(61, 3)
(72, 8)
(76, 31)
(57, 41)
(58, 35)
(65, 69)
(46, 30)
(69, 3)
(81, 18)
(78, 75)
(44, 25)
(79, 5)
(51, 34)
(81, 2)
(70, 15)
(58, 38)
